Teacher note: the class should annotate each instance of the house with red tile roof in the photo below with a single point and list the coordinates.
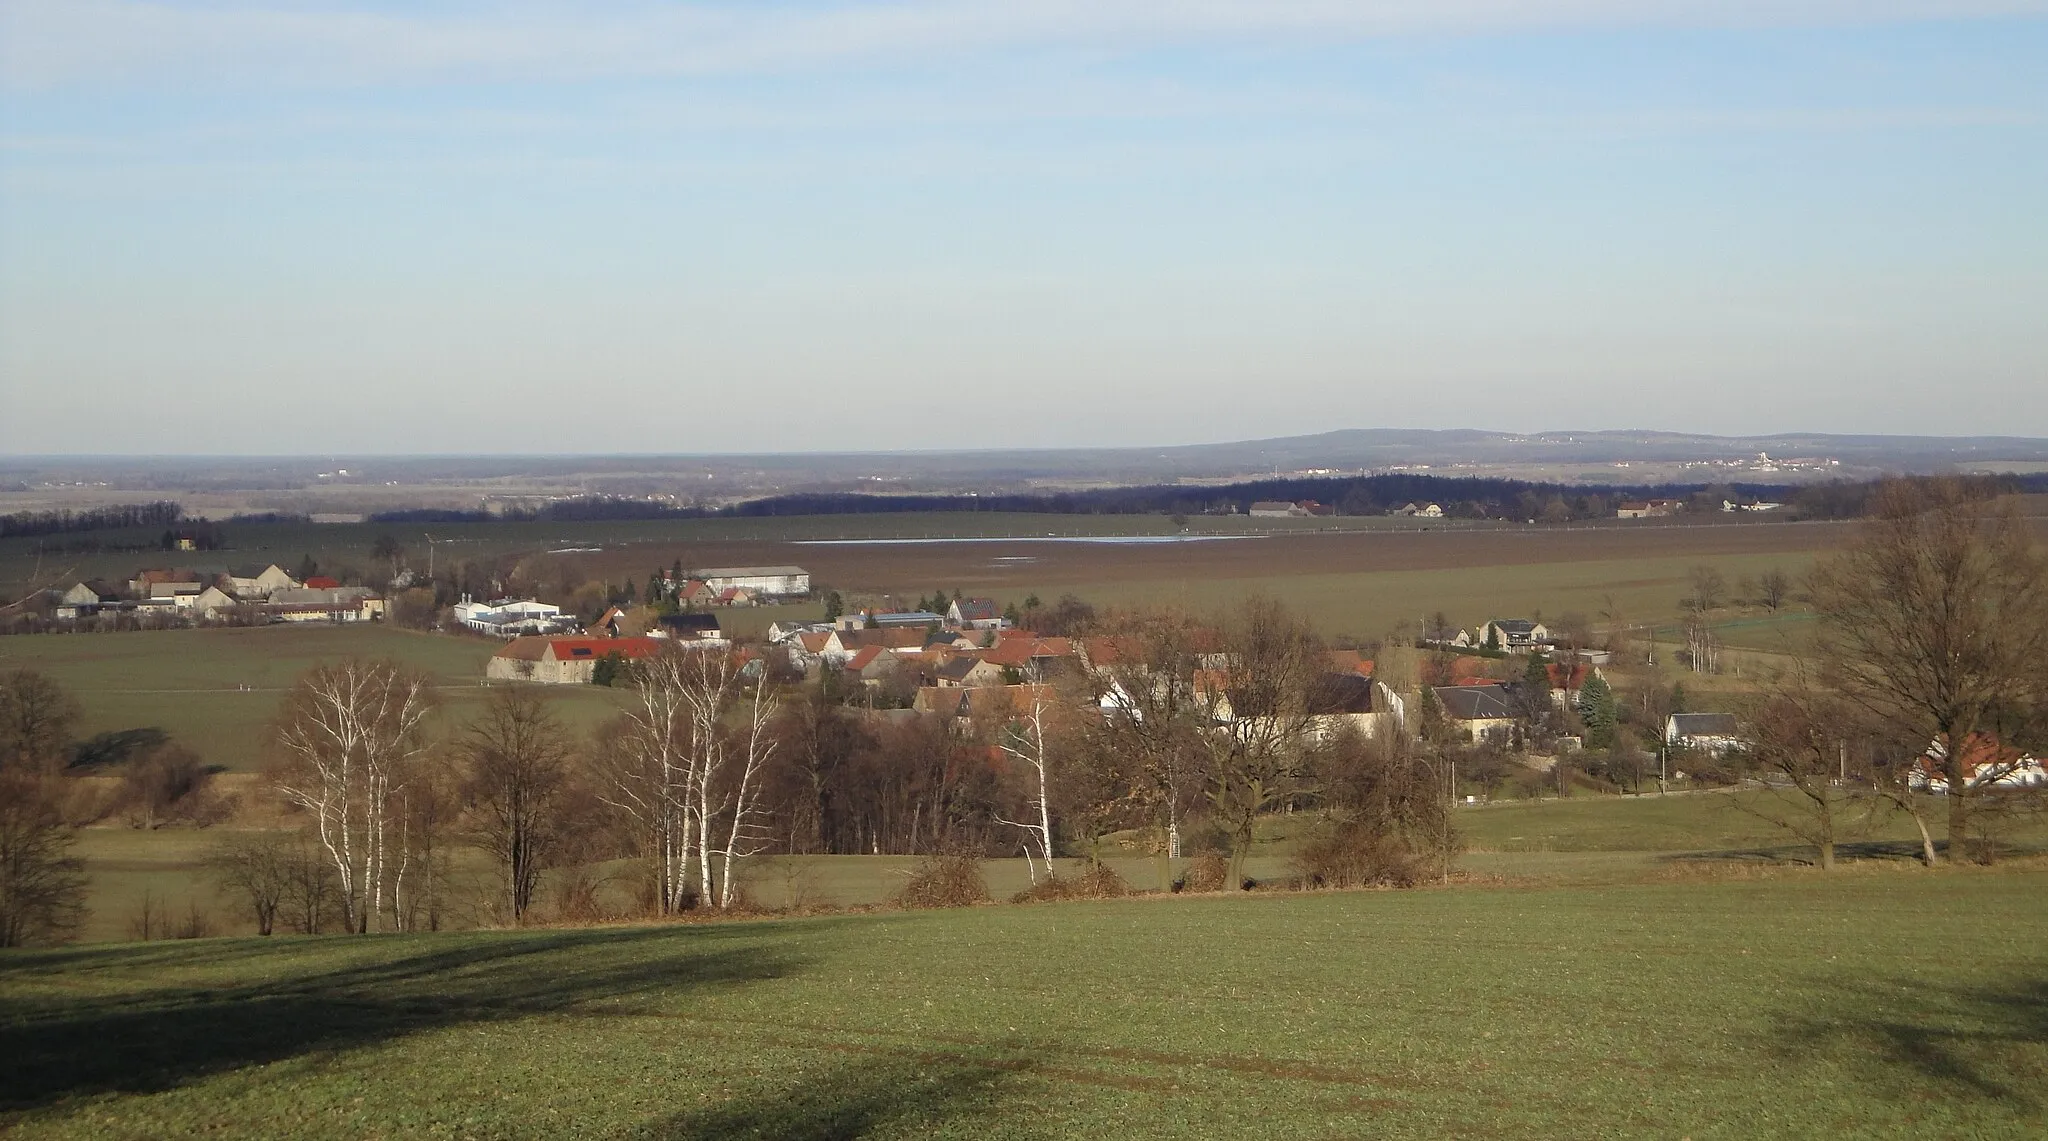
(565, 659)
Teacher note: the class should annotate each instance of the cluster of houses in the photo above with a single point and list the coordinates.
(265, 593)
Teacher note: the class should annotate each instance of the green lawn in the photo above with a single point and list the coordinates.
(1796, 1006)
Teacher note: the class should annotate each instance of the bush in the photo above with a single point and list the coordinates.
(1206, 872)
(1096, 881)
(944, 881)
(1354, 856)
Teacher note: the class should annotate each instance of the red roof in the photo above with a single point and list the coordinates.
(1020, 651)
(567, 647)
(865, 658)
(1568, 677)
(322, 582)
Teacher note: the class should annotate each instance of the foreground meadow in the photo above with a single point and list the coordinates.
(1881, 1002)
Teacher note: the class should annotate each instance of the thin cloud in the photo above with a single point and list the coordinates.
(46, 43)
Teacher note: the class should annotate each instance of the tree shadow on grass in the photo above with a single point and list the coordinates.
(1899, 851)
(142, 1041)
(1972, 1043)
(864, 1097)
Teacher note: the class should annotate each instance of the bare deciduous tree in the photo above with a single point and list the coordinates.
(258, 870)
(1800, 737)
(1709, 587)
(1257, 696)
(515, 771)
(1935, 621)
(42, 885)
(1773, 589)
(345, 740)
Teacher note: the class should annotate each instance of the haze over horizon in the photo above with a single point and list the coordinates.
(275, 227)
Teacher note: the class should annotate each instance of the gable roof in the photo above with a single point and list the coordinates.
(1021, 651)
(957, 669)
(1704, 724)
(1336, 693)
(865, 657)
(694, 622)
(1475, 702)
(976, 609)
(1514, 625)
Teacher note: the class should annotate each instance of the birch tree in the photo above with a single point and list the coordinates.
(1028, 740)
(645, 776)
(344, 742)
(688, 766)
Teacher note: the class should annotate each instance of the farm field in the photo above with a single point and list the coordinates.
(186, 682)
(1795, 1006)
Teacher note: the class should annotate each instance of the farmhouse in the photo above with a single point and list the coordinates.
(310, 604)
(563, 659)
(966, 672)
(1988, 763)
(1342, 699)
(253, 582)
(1649, 508)
(1278, 509)
(1713, 732)
(690, 626)
(757, 580)
(974, 614)
(1480, 712)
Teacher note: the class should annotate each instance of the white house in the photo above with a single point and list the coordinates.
(974, 614)
(1515, 635)
(1713, 732)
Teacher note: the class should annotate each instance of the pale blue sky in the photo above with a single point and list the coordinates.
(284, 227)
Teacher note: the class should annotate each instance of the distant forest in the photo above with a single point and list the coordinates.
(1460, 498)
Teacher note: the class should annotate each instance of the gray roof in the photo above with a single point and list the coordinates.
(1704, 725)
(1475, 702)
(1340, 693)
(747, 572)
(957, 669)
(1515, 625)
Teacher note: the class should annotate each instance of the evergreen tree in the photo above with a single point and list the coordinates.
(1598, 710)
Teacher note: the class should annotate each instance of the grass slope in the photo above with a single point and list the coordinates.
(1797, 1006)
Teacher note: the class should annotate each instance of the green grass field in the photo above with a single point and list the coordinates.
(186, 682)
(1797, 1006)
(1368, 604)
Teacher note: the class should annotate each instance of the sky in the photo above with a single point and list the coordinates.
(442, 226)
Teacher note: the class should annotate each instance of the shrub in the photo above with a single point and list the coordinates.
(1206, 872)
(1351, 855)
(950, 880)
(1096, 881)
